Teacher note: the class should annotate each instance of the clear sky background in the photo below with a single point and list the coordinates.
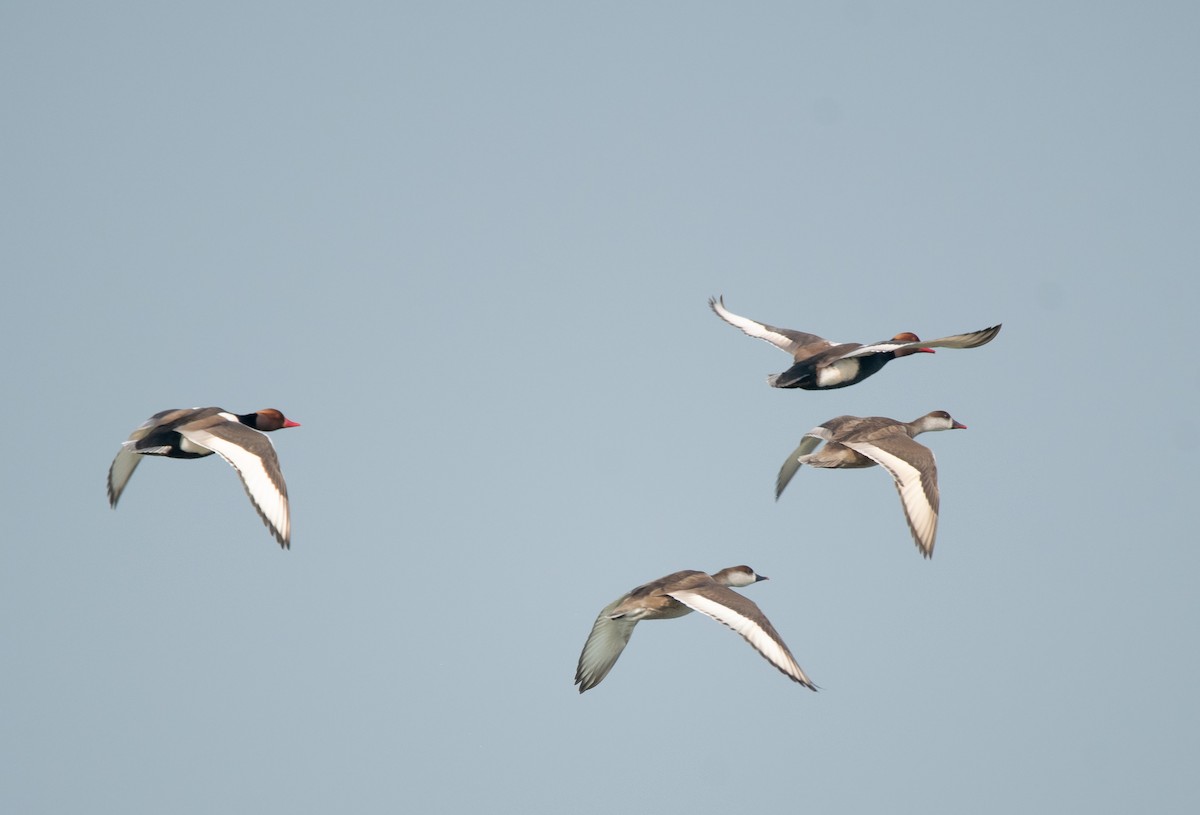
(469, 247)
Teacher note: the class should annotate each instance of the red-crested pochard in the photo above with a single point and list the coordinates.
(822, 364)
(856, 441)
(674, 596)
(198, 432)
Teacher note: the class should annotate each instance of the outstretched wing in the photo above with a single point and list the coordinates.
(253, 456)
(972, 340)
(121, 470)
(783, 338)
(742, 615)
(604, 645)
(914, 469)
(807, 444)
(127, 459)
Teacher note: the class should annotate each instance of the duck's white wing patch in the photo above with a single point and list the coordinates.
(120, 471)
(807, 445)
(251, 454)
(604, 645)
(782, 338)
(918, 490)
(881, 348)
(744, 617)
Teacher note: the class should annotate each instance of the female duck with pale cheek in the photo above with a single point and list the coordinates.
(237, 438)
(822, 364)
(674, 596)
(856, 441)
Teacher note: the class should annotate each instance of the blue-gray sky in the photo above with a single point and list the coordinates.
(469, 247)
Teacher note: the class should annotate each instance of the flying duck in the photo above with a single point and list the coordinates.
(198, 432)
(822, 364)
(674, 596)
(856, 441)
